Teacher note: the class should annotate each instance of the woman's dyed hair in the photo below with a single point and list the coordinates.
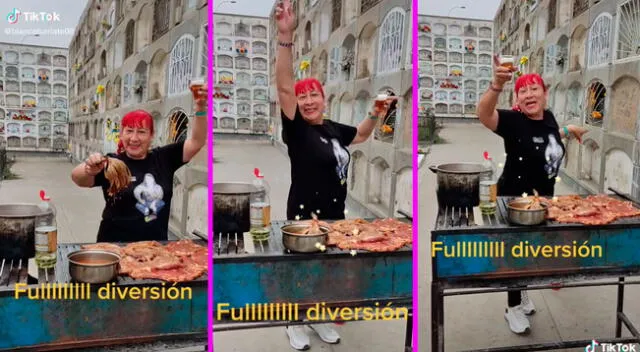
(306, 85)
(529, 79)
(135, 119)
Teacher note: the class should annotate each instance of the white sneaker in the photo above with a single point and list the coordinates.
(526, 304)
(298, 338)
(518, 322)
(326, 333)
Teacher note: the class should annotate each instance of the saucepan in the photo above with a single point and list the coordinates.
(93, 266)
(520, 215)
(294, 239)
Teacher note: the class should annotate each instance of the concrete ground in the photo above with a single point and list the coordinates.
(78, 209)
(476, 321)
(234, 162)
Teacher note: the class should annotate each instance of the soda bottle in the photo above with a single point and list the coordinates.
(46, 237)
(488, 186)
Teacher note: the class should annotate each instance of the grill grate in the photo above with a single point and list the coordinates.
(460, 219)
(225, 244)
(13, 271)
(16, 271)
(465, 217)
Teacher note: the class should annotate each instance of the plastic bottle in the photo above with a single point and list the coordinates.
(46, 238)
(260, 204)
(488, 186)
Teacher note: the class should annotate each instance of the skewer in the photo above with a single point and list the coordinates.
(2, 267)
(219, 242)
(236, 243)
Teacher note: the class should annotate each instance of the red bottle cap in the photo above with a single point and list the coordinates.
(43, 196)
(256, 172)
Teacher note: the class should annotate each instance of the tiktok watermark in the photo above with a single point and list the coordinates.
(16, 15)
(595, 346)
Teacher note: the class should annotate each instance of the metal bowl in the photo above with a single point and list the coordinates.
(519, 215)
(93, 266)
(296, 242)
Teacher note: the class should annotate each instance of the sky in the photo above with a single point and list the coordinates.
(68, 12)
(260, 8)
(478, 9)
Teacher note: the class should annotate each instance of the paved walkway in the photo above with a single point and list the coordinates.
(477, 321)
(78, 209)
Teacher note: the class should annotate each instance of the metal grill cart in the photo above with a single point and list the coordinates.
(56, 324)
(619, 241)
(248, 271)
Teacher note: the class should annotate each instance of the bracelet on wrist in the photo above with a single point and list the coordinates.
(498, 90)
(201, 113)
(566, 132)
(285, 44)
(373, 117)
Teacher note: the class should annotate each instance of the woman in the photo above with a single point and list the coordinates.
(141, 211)
(317, 149)
(534, 148)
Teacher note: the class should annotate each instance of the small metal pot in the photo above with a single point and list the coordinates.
(458, 184)
(520, 216)
(93, 266)
(296, 242)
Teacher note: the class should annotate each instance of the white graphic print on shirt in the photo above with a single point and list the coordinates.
(342, 157)
(149, 195)
(553, 154)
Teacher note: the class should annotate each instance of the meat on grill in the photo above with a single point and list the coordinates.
(381, 235)
(178, 261)
(598, 209)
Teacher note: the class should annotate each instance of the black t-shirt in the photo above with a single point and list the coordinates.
(141, 212)
(319, 166)
(534, 153)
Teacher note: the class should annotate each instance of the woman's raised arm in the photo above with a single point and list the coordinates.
(285, 20)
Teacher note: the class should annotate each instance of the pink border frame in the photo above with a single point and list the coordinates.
(210, 86)
(416, 209)
(415, 100)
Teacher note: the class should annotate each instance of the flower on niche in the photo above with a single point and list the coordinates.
(304, 65)
(524, 60)
(100, 89)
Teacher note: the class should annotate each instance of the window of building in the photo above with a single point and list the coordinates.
(391, 38)
(181, 64)
(599, 40)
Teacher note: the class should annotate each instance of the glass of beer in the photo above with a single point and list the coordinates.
(381, 99)
(195, 84)
(507, 61)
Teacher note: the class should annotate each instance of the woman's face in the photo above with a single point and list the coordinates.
(532, 99)
(311, 105)
(136, 141)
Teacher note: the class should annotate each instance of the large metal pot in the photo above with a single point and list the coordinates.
(293, 240)
(231, 208)
(17, 230)
(93, 266)
(458, 184)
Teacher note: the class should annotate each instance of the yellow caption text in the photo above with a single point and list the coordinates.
(77, 291)
(522, 249)
(317, 312)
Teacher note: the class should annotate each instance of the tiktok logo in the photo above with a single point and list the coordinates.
(13, 16)
(592, 346)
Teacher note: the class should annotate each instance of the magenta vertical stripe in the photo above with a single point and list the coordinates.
(210, 168)
(416, 210)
